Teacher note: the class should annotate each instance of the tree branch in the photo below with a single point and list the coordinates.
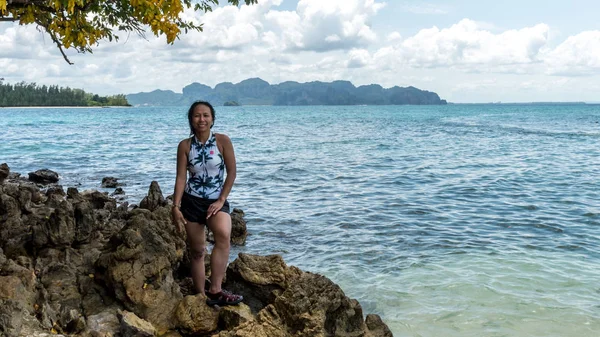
(24, 3)
(56, 41)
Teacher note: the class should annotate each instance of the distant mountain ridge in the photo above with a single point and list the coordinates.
(255, 91)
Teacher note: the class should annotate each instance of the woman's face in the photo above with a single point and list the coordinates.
(201, 118)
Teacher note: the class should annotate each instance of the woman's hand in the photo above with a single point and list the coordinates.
(178, 219)
(214, 208)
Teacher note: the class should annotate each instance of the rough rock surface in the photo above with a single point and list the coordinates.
(239, 230)
(110, 182)
(4, 172)
(132, 325)
(43, 176)
(154, 199)
(118, 191)
(79, 264)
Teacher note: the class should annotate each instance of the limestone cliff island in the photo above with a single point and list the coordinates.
(255, 91)
(81, 264)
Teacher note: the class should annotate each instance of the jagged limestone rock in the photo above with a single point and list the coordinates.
(69, 261)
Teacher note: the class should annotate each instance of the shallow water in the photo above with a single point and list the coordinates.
(458, 220)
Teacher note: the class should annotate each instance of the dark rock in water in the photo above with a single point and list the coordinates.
(154, 199)
(239, 230)
(4, 172)
(43, 176)
(119, 195)
(377, 327)
(75, 264)
(118, 191)
(110, 182)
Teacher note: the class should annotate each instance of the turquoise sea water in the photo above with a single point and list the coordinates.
(458, 220)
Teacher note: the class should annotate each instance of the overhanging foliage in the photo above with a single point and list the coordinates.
(81, 24)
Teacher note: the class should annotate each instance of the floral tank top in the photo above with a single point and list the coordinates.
(206, 169)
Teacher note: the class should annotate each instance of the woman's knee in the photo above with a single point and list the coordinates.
(197, 252)
(221, 228)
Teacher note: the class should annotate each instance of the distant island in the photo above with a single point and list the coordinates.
(255, 91)
(30, 94)
(231, 103)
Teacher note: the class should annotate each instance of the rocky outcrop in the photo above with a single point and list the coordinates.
(77, 263)
(110, 182)
(44, 176)
(255, 91)
(4, 172)
(154, 199)
(239, 231)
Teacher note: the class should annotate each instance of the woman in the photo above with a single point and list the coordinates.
(203, 199)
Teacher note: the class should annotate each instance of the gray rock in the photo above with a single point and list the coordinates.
(110, 182)
(55, 190)
(377, 327)
(154, 199)
(239, 230)
(43, 176)
(4, 172)
(132, 325)
(118, 191)
(11, 317)
(14, 175)
(73, 194)
(105, 323)
(56, 229)
(99, 200)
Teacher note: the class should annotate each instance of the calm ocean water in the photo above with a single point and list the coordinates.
(458, 220)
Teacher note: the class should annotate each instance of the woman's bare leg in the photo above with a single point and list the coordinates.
(197, 244)
(220, 225)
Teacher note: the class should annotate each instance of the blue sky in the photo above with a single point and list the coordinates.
(571, 17)
(466, 51)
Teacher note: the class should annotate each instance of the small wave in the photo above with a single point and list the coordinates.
(529, 207)
(569, 247)
(524, 131)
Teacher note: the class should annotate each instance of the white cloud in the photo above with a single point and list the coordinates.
(323, 26)
(394, 36)
(25, 43)
(358, 58)
(579, 55)
(229, 27)
(468, 46)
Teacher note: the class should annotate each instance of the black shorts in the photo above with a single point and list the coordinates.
(194, 208)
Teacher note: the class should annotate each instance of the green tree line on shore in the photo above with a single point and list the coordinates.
(31, 94)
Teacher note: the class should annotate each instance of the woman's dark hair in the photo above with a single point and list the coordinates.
(191, 113)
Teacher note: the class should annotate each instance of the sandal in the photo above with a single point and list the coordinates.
(222, 298)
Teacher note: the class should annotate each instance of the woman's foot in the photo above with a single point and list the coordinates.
(222, 298)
